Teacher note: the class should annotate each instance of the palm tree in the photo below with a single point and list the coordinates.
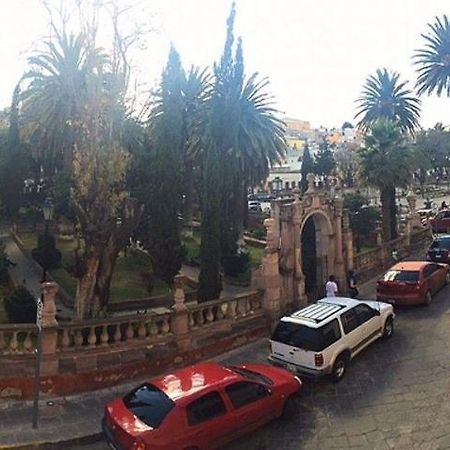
(386, 147)
(385, 96)
(433, 60)
(56, 96)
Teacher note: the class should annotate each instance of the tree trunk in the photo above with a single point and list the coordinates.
(86, 285)
(393, 213)
(386, 213)
(188, 199)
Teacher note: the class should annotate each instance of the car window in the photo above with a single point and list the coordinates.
(149, 404)
(447, 214)
(402, 275)
(330, 333)
(251, 375)
(364, 313)
(205, 408)
(245, 392)
(441, 243)
(349, 320)
(428, 270)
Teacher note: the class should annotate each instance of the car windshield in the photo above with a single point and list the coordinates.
(250, 375)
(411, 276)
(441, 243)
(149, 404)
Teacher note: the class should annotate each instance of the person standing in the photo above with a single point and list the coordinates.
(352, 286)
(331, 287)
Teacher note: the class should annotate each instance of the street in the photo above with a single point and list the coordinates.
(396, 394)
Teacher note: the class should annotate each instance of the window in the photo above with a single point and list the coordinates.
(430, 269)
(149, 404)
(251, 375)
(364, 313)
(205, 408)
(349, 320)
(245, 392)
(441, 243)
(330, 333)
(411, 276)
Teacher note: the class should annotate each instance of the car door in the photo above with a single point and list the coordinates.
(370, 326)
(253, 405)
(435, 277)
(350, 325)
(210, 424)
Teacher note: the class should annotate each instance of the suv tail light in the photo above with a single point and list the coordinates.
(318, 359)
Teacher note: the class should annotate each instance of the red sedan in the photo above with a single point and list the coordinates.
(412, 282)
(200, 407)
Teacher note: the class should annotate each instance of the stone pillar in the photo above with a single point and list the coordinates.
(271, 273)
(180, 319)
(347, 237)
(339, 260)
(49, 331)
(300, 299)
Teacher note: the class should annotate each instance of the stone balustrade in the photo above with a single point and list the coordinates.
(117, 331)
(17, 339)
(217, 310)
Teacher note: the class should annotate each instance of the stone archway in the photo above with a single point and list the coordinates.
(283, 274)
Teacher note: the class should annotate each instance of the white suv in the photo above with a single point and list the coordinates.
(323, 337)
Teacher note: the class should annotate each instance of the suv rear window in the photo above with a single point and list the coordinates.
(302, 336)
(441, 243)
(149, 404)
(402, 275)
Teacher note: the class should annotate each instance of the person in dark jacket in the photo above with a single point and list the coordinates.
(352, 285)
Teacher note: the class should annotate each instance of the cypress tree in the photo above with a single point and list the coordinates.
(307, 167)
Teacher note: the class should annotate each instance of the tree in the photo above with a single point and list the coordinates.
(325, 161)
(384, 96)
(345, 156)
(21, 306)
(386, 147)
(307, 167)
(433, 59)
(162, 181)
(243, 137)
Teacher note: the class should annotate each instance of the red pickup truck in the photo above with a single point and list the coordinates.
(441, 222)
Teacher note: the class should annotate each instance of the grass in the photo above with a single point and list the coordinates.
(256, 254)
(127, 282)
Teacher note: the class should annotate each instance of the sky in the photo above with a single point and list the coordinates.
(316, 53)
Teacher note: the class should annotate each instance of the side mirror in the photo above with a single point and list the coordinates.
(376, 312)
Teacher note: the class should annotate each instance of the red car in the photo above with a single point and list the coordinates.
(200, 407)
(412, 282)
(441, 222)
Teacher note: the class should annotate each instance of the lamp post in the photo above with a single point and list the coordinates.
(47, 209)
(278, 183)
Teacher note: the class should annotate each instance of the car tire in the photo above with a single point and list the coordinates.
(339, 368)
(388, 328)
(289, 408)
(428, 298)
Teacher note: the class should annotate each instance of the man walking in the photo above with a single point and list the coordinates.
(331, 287)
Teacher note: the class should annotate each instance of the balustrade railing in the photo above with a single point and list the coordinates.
(18, 339)
(92, 334)
(217, 310)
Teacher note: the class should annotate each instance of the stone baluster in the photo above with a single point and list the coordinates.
(27, 343)
(2, 341)
(232, 309)
(117, 334)
(65, 341)
(92, 337)
(14, 343)
(78, 339)
(153, 328)
(130, 332)
(209, 315)
(165, 327)
(49, 331)
(104, 337)
(142, 330)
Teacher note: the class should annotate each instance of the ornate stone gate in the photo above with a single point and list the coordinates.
(316, 221)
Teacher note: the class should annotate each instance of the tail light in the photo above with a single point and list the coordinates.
(318, 359)
(138, 445)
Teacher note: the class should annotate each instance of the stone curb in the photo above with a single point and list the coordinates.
(56, 445)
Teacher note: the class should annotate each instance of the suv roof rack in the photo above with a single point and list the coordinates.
(317, 312)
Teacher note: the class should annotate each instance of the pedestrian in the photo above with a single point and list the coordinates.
(394, 254)
(331, 287)
(444, 205)
(352, 286)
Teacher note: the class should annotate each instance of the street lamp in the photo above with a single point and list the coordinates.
(278, 183)
(47, 210)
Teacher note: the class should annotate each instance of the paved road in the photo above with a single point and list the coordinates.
(396, 394)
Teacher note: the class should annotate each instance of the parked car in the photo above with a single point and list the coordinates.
(254, 207)
(323, 337)
(412, 282)
(441, 222)
(439, 250)
(200, 407)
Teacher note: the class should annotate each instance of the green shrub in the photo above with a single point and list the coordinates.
(46, 253)
(21, 306)
(237, 265)
(3, 264)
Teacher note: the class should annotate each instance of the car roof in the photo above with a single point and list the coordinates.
(409, 265)
(441, 236)
(322, 312)
(181, 385)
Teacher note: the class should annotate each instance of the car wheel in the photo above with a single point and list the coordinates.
(289, 408)
(388, 328)
(428, 298)
(339, 368)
